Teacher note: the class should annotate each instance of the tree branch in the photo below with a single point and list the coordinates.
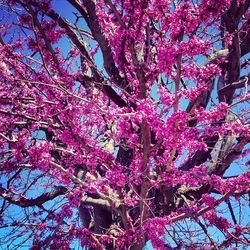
(27, 202)
(89, 14)
(220, 167)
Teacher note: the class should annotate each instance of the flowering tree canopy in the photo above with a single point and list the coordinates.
(124, 122)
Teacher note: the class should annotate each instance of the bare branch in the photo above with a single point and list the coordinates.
(28, 202)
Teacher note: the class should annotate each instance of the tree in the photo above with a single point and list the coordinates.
(124, 122)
